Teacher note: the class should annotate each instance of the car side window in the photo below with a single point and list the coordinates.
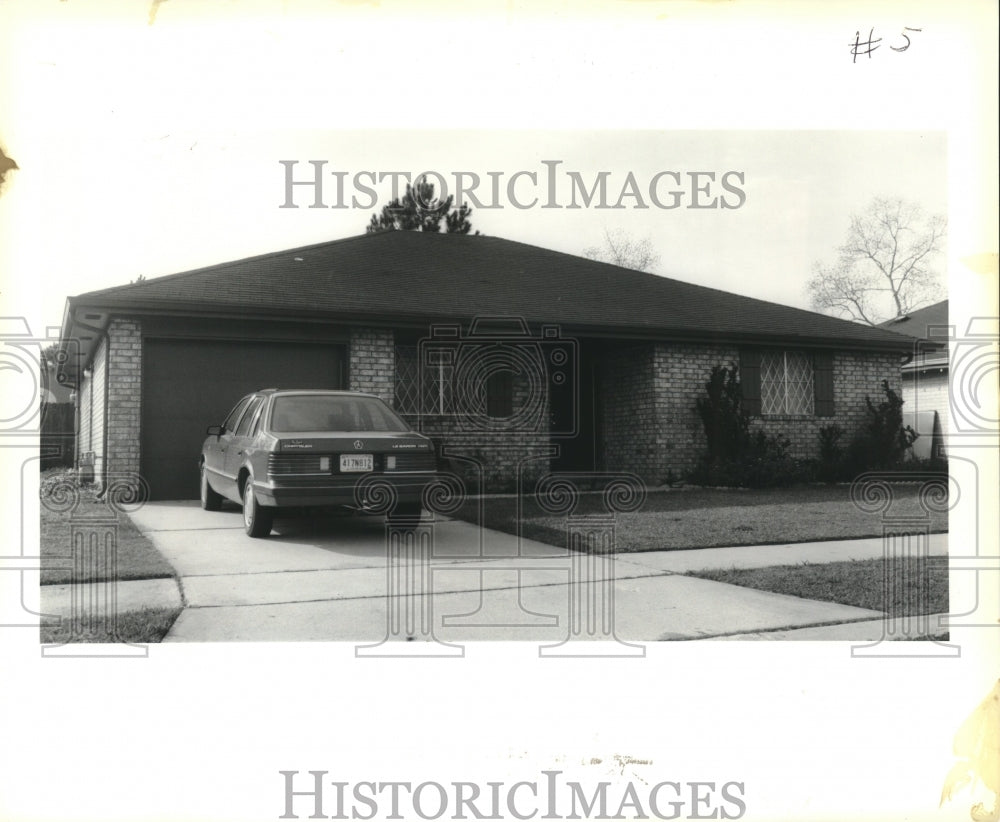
(257, 417)
(230, 424)
(248, 415)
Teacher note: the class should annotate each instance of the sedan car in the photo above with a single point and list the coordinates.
(283, 449)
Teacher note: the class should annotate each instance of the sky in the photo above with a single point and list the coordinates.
(158, 147)
(183, 199)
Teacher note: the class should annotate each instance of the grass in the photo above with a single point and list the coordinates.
(712, 517)
(136, 557)
(913, 589)
(147, 625)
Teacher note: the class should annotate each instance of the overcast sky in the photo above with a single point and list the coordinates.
(155, 204)
(165, 152)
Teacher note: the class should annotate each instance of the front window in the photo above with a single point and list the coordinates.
(422, 388)
(786, 383)
(315, 412)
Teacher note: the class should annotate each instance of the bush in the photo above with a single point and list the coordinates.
(881, 443)
(735, 456)
(727, 426)
(883, 440)
(831, 455)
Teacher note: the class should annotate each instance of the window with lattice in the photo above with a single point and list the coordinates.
(421, 388)
(786, 383)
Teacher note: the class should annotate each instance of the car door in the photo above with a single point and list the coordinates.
(215, 452)
(240, 439)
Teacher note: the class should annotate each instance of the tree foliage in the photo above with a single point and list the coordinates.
(620, 248)
(885, 266)
(420, 209)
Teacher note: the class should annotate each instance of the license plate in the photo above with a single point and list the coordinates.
(356, 462)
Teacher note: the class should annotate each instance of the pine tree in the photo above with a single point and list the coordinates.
(420, 209)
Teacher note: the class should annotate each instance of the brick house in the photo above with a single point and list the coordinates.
(517, 359)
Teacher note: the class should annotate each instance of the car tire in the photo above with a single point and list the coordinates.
(257, 521)
(210, 500)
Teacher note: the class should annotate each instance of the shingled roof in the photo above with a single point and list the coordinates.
(409, 277)
(923, 321)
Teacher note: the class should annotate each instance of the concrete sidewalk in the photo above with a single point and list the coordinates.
(329, 581)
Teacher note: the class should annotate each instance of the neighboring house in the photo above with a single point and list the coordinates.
(606, 379)
(925, 374)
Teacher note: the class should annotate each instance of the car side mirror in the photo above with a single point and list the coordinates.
(214, 430)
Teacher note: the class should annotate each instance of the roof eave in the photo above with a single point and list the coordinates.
(902, 344)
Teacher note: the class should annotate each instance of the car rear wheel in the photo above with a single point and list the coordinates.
(257, 521)
(210, 500)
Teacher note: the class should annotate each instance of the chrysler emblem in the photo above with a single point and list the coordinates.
(358, 445)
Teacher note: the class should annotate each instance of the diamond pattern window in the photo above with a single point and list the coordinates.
(426, 392)
(786, 383)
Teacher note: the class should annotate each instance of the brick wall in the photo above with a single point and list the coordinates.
(372, 366)
(124, 374)
(855, 376)
(487, 460)
(646, 411)
(490, 462)
(649, 420)
(631, 433)
(680, 374)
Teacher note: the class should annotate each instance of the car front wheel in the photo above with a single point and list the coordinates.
(257, 521)
(210, 500)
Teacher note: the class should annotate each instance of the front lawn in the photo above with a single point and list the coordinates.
(714, 517)
(137, 558)
(916, 587)
(138, 627)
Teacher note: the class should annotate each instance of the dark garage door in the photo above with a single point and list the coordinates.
(191, 384)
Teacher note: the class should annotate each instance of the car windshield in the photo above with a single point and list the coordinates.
(311, 412)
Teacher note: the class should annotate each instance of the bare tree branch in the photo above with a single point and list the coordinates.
(620, 248)
(884, 265)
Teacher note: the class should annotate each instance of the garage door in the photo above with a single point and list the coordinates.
(191, 384)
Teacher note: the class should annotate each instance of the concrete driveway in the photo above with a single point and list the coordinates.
(330, 580)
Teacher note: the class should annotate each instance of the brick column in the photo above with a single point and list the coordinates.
(124, 378)
(372, 364)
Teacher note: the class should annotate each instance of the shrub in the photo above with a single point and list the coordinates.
(735, 456)
(726, 424)
(883, 438)
(881, 443)
(831, 455)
